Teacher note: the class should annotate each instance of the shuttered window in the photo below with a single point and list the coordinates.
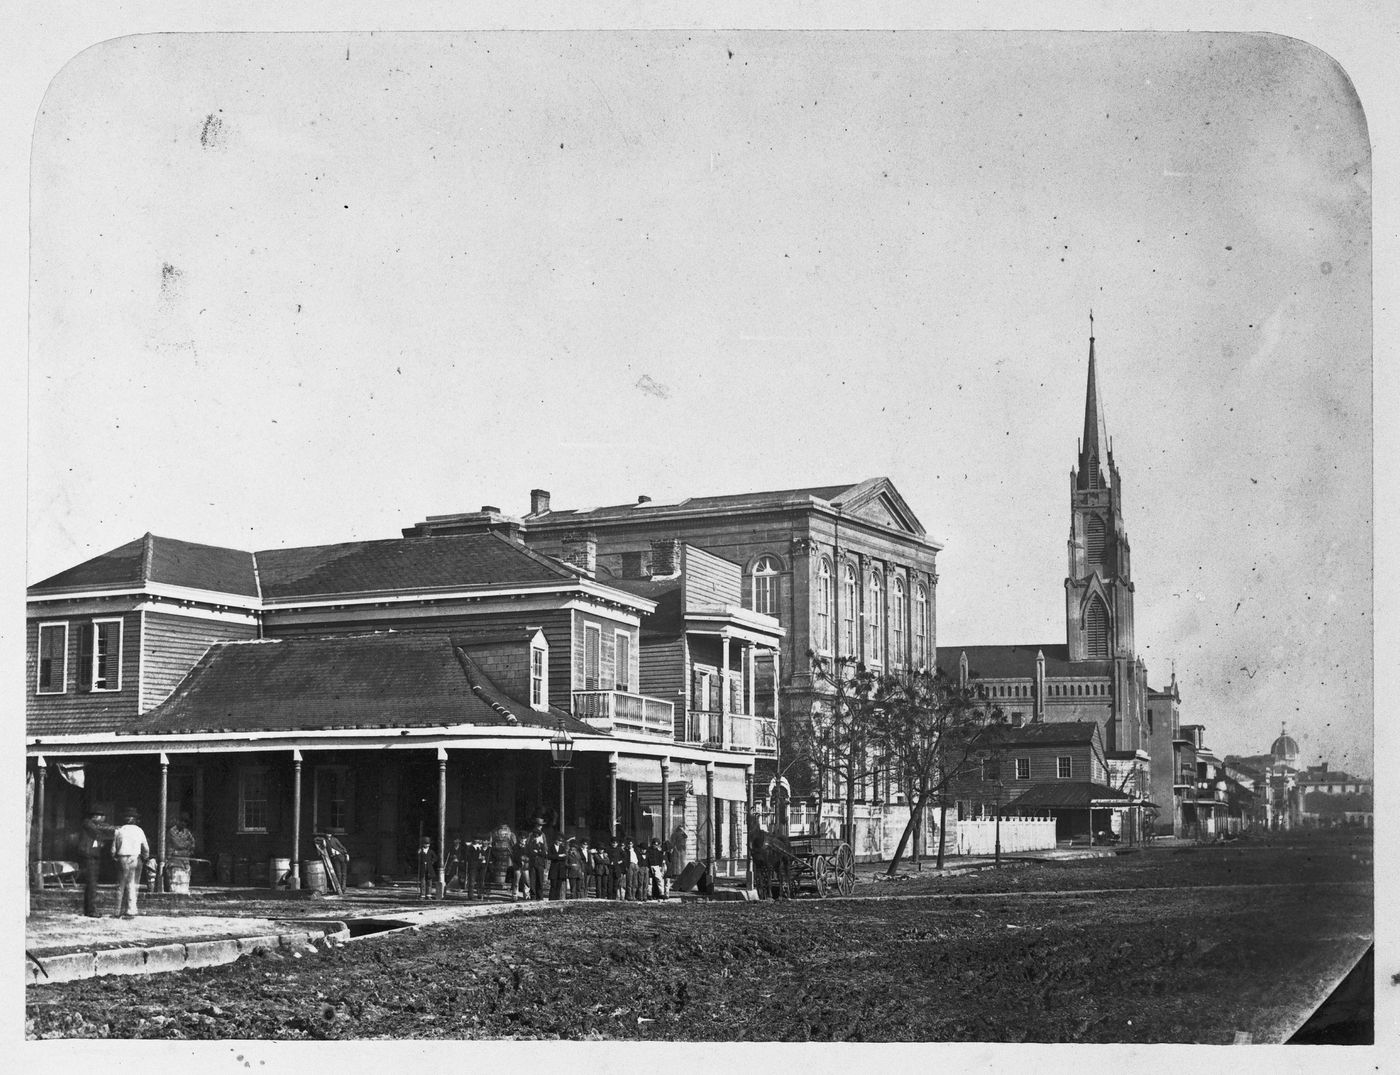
(592, 656)
(623, 660)
(1095, 542)
(1096, 628)
(897, 613)
(53, 658)
(848, 613)
(875, 621)
(920, 627)
(85, 634)
(824, 602)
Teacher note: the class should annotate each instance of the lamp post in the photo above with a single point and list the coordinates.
(561, 750)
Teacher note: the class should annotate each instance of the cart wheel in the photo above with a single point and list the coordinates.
(845, 867)
(821, 875)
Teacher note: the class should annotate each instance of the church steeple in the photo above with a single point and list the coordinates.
(1094, 446)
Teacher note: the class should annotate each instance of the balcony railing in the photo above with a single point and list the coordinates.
(730, 731)
(619, 711)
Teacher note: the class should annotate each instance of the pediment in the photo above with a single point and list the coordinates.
(879, 502)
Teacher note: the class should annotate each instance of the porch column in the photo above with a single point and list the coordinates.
(751, 678)
(748, 821)
(612, 796)
(711, 849)
(724, 692)
(162, 822)
(665, 799)
(294, 879)
(40, 782)
(442, 822)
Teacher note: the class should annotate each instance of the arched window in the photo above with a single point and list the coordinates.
(825, 597)
(1095, 540)
(1096, 628)
(920, 627)
(848, 640)
(898, 610)
(764, 586)
(873, 653)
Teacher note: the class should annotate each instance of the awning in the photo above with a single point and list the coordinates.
(730, 784)
(639, 770)
(1070, 795)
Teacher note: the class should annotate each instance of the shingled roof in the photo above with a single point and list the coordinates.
(403, 564)
(154, 559)
(1009, 662)
(1070, 794)
(385, 680)
(1045, 733)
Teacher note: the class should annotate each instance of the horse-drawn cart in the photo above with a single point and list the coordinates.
(804, 864)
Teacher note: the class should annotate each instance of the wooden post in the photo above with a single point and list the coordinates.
(748, 820)
(665, 800)
(442, 823)
(711, 847)
(40, 788)
(724, 718)
(162, 823)
(612, 796)
(294, 879)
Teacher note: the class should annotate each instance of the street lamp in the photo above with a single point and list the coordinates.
(561, 750)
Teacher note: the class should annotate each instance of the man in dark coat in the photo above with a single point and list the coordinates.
(537, 851)
(91, 843)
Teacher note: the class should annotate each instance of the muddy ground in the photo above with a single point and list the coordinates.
(1193, 945)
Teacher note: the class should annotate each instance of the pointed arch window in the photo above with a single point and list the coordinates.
(764, 586)
(1094, 544)
(873, 618)
(848, 611)
(1096, 629)
(825, 601)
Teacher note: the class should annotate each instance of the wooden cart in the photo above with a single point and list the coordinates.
(812, 864)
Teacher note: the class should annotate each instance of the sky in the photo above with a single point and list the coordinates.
(290, 289)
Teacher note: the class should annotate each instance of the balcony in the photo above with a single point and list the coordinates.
(632, 714)
(742, 732)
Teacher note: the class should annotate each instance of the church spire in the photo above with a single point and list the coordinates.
(1092, 449)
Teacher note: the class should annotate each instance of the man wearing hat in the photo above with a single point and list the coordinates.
(96, 832)
(130, 849)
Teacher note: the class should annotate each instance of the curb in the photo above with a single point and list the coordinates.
(160, 958)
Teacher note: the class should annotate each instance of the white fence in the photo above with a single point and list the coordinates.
(1017, 834)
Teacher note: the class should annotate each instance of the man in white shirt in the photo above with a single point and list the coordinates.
(130, 849)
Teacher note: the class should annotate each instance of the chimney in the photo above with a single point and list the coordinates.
(490, 509)
(581, 551)
(665, 558)
(632, 565)
(644, 499)
(539, 501)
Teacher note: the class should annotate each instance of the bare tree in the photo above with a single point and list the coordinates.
(931, 731)
(839, 739)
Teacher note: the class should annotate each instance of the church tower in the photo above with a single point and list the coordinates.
(1099, 586)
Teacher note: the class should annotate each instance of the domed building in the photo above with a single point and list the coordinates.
(1277, 771)
(1285, 750)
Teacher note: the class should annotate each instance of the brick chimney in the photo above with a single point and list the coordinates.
(632, 566)
(644, 499)
(665, 558)
(539, 501)
(581, 551)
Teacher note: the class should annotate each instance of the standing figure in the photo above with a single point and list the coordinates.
(578, 867)
(452, 868)
(179, 846)
(427, 859)
(679, 842)
(558, 867)
(473, 869)
(96, 833)
(636, 889)
(130, 849)
(656, 869)
(537, 852)
(602, 873)
(502, 844)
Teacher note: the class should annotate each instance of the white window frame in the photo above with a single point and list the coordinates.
(539, 678)
(825, 608)
(898, 610)
(875, 620)
(96, 638)
(766, 570)
(850, 615)
(1064, 767)
(920, 627)
(702, 684)
(622, 661)
(1023, 768)
(592, 643)
(244, 801)
(342, 775)
(62, 687)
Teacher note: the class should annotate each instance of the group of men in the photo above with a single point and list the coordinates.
(539, 865)
(131, 852)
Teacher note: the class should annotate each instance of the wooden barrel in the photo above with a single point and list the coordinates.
(313, 875)
(279, 872)
(178, 880)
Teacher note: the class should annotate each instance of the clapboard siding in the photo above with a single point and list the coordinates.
(78, 710)
(663, 671)
(711, 581)
(173, 644)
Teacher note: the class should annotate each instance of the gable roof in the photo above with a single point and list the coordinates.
(154, 559)
(456, 561)
(1010, 662)
(1047, 733)
(874, 500)
(384, 680)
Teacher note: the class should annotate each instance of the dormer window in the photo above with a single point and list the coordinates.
(539, 678)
